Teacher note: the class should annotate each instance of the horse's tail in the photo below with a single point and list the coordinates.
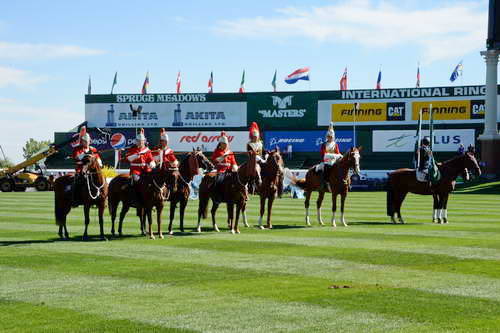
(390, 197)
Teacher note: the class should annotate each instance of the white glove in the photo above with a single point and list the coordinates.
(152, 164)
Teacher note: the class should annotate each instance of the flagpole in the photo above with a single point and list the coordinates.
(354, 125)
(419, 135)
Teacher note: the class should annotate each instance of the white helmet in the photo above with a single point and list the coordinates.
(330, 132)
(140, 136)
(84, 136)
(223, 138)
(163, 135)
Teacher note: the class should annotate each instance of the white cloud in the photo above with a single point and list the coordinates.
(448, 31)
(20, 51)
(21, 122)
(17, 77)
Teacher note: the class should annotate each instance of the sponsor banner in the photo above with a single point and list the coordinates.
(443, 110)
(283, 110)
(414, 92)
(404, 140)
(110, 140)
(170, 115)
(305, 141)
(206, 140)
(477, 109)
(368, 112)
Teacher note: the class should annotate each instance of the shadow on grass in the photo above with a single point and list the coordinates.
(479, 186)
(26, 242)
(384, 223)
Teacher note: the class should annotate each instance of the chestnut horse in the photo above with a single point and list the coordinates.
(188, 168)
(402, 181)
(339, 180)
(232, 190)
(271, 172)
(92, 191)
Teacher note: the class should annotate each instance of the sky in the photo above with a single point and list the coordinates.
(48, 50)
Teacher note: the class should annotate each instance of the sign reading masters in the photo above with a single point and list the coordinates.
(404, 140)
(305, 141)
(283, 110)
(165, 110)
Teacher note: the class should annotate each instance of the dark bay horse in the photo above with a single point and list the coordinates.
(271, 173)
(188, 168)
(232, 190)
(403, 181)
(339, 181)
(92, 191)
(152, 193)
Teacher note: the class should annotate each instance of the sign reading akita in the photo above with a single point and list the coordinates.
(282, 110)
(170, 115)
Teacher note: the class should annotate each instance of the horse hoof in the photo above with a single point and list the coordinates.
(246, 225)
(261, 227)
(237, 231)
(401, 221)
(270, 226)
(198, 230)
(216, 229)
(161, 236)
(151, 236)
(182, 230)
(170, 232)
(232, 231)
(321, 222)
(445, 221)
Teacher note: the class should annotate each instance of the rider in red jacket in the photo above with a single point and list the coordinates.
(140, 157)
(163, 154)
(330, 154)
(223, 157)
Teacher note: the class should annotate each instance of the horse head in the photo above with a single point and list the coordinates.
(202, 160)
(251, 165)
(274, 162)
(470, 163)
(91, 163)
(352, 158)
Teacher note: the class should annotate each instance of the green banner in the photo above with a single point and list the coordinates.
(283, 110)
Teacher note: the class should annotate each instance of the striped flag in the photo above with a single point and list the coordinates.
(456, 72)
(379, 80)
(242, 84)
(89, 88)
(343, 80)
(273, 82)
(418, 77)
(115, 81)
(178, 83)
(145, 85)
(211, 83)
(299, 74)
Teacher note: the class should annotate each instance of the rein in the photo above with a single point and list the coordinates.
(91, 182)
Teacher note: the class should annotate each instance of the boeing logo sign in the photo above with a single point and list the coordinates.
(284, 109)
(305, 141)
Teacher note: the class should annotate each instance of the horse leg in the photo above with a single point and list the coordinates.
(182, 209)
(213, 211)
(173, 204)
(230, 216)
(239, 207)
(318, 207)
(262, 210)
(435, 206)
(123, 213)
(398, 207)
(112, 211)
(334, 208)
(202, 207)
(269, 211)
(159, 209)
(149, 213)
(445, 207)
(306, 205)
(440, 208)
(102, 206)
(66, 234)
(86, 211)
(343, 196)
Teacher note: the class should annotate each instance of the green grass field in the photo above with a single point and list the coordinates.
(371, 276)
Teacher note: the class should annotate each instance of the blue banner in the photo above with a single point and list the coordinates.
(305, 141)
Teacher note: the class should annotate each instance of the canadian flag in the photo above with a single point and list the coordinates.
(242, 84)
(178, 83)
(211, 83)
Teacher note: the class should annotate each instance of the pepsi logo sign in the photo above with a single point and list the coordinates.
(118, 141)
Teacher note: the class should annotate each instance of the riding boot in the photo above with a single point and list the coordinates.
(325, 177)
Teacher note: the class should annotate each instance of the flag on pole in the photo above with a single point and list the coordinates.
(434, 173)
(273, 82)
(178, 83)
(299, 74)
(343, 80)
(379, 80)
(211, 83)
(456, 72)
(418, 77)
(89, 88)
(417, 141)
(115, 81)
(145, 85)
(242, 84)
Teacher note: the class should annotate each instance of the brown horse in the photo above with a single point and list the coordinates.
(152, 193)
(339, 180)
(403, 181)
(92, 191)
(232, 190)
(271, 173)
(188, 168)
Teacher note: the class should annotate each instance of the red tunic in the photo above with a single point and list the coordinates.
(141, 160)
(169, 158)
(323, 149)
(226, 163)
(79, 153)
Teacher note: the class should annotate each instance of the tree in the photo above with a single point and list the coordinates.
(5, 163)
(33, 146)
